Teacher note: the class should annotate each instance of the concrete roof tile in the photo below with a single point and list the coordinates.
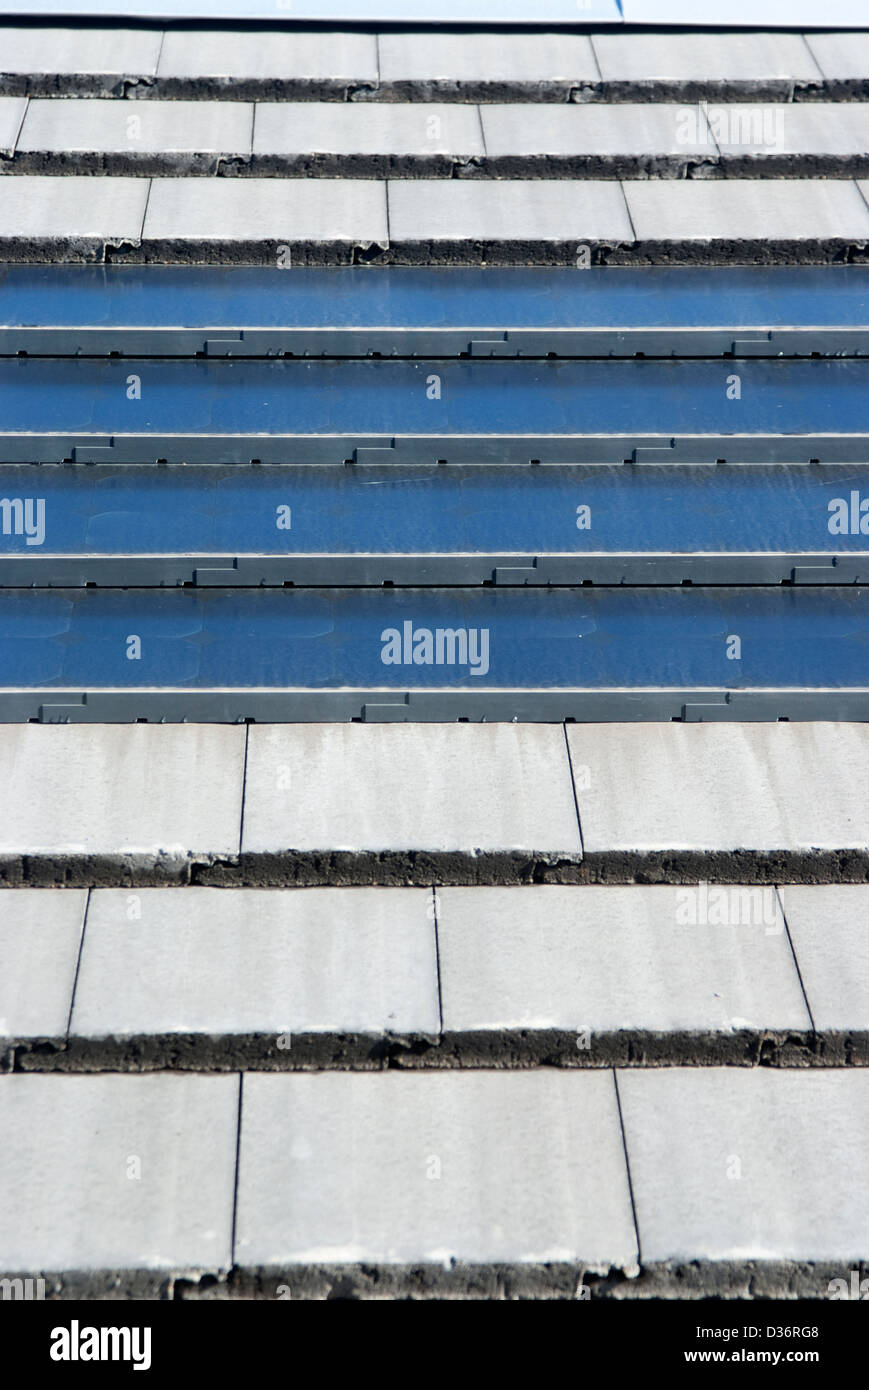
(11, 115)
(710, 56)
(464, 56)
(418, 128)
(730, 210)
(265, 53)
(612, 958)
(641, 129)
(721, 786)
(829, 926)
(267, 210)
(218, 961)
(508, 209)
(40, 934)
(144, 127)
(72, 208)
(476, 1166)
(750, 1164)
(116, 1172)
(109, 788)
(76, 50)
(841, 56)
(408, 786)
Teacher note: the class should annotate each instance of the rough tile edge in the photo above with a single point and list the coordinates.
(736, 866)
(463, 252)
(542, 91)
(101, 870)
(672, 1280)
(424, 868)
(629, 165)
(507, 1049)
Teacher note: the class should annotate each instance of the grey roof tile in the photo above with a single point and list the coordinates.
(76, 50)
(211, 960)
(612, 958)
(641, 129)
(11, 115)
(408, 786)
(72, 209)
(418, 128)
(747, 209)
(511, 210)
(264, 53)
(478, 56)
(476, 1166)
(146, 127)
(748, 1164)
(267, 210)
(39, 946)
(712, 56)
(829, 926)
(809, 128)
(841, 56)
(721, 786)
(111, 788)
(114, 1172)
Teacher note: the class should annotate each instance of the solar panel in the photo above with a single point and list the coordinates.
(88, 524)
(259, 311)
(472, 653)
(426, 411)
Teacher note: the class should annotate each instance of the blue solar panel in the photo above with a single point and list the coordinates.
(243, 525)
(407, 640)
(320, 411)
(246, 311)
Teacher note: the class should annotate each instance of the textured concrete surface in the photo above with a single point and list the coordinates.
(458, 57)
(749, 1165)
(126, 790)
(656, 139)
(799, 787)
(400, 1169)
(115, 136)
(104, 1172)
(40, 934)
(408, 787)
(75, 50)
(515, 211)
(206, 961)
(841, 56)
(747, 210)
(830, 931)
(72, 216)
(414, 805)
(713, 56)
(11, 115)
(462, 221)
(272, 53)
(210, 213)
(639, 140)
(609, 959)
(805, 138)
(367, 139)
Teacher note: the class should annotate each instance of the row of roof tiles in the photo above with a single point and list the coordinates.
(169, 794)
(359, 64)
(270, 137)
(120, 978)
(419, 220)
(171, 1174)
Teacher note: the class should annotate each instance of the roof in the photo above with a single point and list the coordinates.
(325, 351)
